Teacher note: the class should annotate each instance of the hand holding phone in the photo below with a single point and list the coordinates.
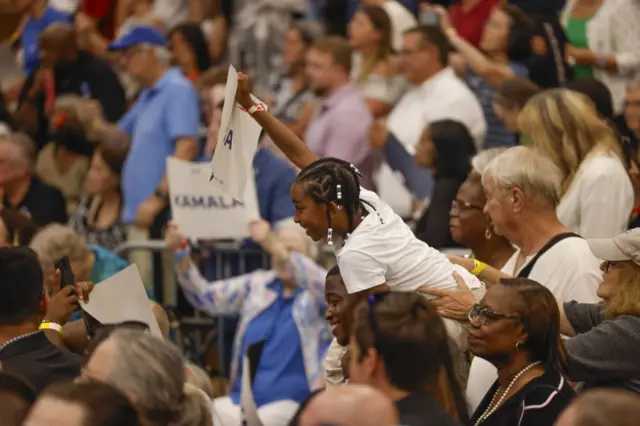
(66, 273)
(428, 17)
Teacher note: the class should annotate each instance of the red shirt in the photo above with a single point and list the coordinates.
(103, 13)
(470, 24)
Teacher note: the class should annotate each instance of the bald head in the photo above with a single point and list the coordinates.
(58, 34)
(57, 43)
(350, 405)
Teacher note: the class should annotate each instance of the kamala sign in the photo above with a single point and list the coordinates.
(202, 210)
(232, 163)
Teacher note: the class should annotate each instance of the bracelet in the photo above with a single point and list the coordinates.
(50, 325)
(602, 61)
(180, 255)
(478, 267)
(256, 108)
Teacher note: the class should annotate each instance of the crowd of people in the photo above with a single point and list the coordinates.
(472, 167)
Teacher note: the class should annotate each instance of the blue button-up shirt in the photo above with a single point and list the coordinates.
(31, 33)
(281, 373)
(164, 113)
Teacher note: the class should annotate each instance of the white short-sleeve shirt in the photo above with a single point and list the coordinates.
(383, 249)
(570, 271)
(600, 199)
(442, 97)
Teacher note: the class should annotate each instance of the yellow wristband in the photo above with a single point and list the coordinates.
(48, 325)
(478, 267)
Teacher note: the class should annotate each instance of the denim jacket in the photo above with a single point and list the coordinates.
(248, 295)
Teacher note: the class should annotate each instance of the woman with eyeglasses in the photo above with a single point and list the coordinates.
(446, 147)
(516, 327)
(399, 345)
(470, 227)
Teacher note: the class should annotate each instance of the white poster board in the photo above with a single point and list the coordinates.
(232, 161)
(122, 297)
(202, 210)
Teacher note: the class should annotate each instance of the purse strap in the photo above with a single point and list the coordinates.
(524, 272)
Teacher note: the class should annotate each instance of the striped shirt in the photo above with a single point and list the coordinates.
(498, 136)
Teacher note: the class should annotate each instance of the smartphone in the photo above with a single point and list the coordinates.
(428, 18)
(66, 273)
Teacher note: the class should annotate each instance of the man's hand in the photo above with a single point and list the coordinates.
(64, 302)
(243, 93)
(90, 114)
(378, 134)
(443, 17)
(173, 239)
(454, 304)
(148, 211)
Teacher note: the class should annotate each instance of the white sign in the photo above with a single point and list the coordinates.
(232, 162)
(122, 297)
(202, 210)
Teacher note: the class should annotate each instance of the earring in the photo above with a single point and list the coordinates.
(488, 234)
(330, 237)
(518, 346)
(339, 192)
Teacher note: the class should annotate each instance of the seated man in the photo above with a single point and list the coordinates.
(23, 189)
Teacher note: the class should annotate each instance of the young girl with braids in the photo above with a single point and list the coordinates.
(375, 249)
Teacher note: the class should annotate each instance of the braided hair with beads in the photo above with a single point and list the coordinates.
(330, 180)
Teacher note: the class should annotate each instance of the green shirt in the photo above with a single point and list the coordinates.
(577, 34)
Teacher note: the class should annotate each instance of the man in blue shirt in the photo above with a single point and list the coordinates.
(163, 122)
(40, 16)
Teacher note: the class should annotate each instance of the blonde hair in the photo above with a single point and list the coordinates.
(56, 241)
(524, 168)
(626, 300)
(566, 127)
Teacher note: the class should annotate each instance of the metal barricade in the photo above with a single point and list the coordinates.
(197, 334)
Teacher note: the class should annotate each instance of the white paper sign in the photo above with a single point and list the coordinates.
(122, 297)
(202, 210)
(232, 162)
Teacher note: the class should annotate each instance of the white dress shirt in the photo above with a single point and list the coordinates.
(443, 96)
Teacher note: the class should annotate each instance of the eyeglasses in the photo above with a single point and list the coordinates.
(486, 316)
(460, 205)
(607, 265)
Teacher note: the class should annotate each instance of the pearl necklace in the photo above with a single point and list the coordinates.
(493, 407)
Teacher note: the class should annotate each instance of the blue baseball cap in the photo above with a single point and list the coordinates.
(139, 35)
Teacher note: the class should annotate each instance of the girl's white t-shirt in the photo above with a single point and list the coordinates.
(383, 249)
